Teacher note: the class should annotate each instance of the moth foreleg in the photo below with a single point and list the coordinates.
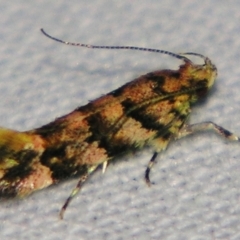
(206, 126)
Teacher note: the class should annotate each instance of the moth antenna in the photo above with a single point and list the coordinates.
(178, 56)
(195, 54)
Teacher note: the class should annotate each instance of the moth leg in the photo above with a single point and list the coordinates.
(149, 166)
(104, 166)
(205, 126)
(78, 187)
(159, 144)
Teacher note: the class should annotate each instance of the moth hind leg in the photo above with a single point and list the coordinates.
(76, 190)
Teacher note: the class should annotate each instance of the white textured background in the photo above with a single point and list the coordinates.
(197, 181)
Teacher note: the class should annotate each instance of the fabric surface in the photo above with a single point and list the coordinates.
(196, 193)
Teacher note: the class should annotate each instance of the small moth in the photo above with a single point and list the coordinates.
(151, 110)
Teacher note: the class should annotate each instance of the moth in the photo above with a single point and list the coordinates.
(152, 110)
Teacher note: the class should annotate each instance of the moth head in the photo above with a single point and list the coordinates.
(205, 73)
